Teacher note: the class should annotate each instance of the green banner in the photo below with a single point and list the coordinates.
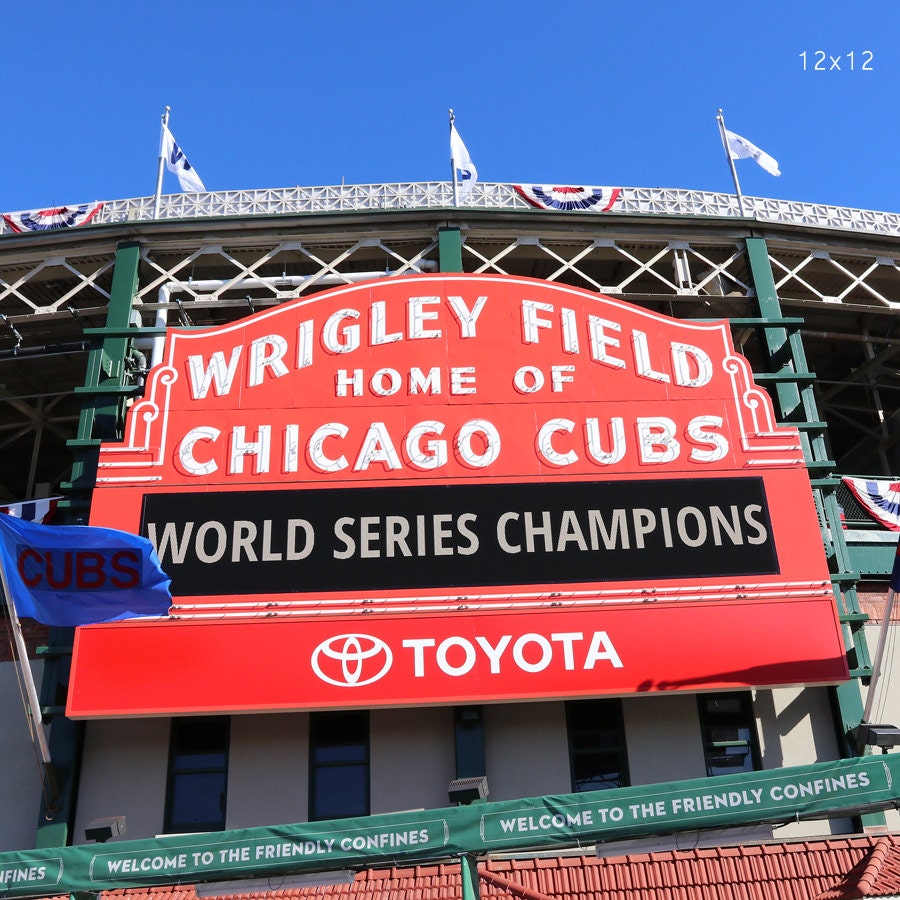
(271, 850)
(822, 790)
(776, 796)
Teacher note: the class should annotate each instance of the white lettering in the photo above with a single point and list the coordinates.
(347, 339)
(218, 373)
(418, 315)
(531, 322)
(267, 353)
(465, 316)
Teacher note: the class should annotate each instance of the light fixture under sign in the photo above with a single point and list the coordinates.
(468, 790)
(883, 736)
(101, 830)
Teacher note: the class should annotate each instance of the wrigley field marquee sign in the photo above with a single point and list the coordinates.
(435, 489)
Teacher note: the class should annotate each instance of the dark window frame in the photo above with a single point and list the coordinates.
(180, 770)
(319, 742)
(715, 726)
(589, 725)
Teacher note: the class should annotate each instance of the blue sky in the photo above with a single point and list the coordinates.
(276, 93)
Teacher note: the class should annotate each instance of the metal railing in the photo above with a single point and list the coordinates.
(439, 194)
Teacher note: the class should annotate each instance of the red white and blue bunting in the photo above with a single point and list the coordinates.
(49, 219)
(548, 196)
(880, 499)
(39, 511)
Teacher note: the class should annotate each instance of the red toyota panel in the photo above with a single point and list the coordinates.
(281, 664)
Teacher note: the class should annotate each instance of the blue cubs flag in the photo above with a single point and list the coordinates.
(78, 574)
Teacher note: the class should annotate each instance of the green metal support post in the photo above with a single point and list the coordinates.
(797, 405)
(102, 414)
(468, 730)
(468, 870)
(450, 249)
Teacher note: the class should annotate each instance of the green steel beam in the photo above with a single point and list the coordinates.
(450, 249)
(468, 870)
(468, 729)
(102, 414)
(57, 812)
(796, 403)
(775, 337)
(872, 553)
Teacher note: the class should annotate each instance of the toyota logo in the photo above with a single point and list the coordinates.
(352, 660)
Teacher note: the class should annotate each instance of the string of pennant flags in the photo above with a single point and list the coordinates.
(40, 511)
(50, 219)
(464, 174)
(879, 498)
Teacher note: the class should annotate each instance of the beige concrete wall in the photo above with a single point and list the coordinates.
(526, 750)
(654, 722)
(886, 702)
(796, 728)
(123, 773)
(125, 768)
(412, 758)
(267, 764)
(20, 774)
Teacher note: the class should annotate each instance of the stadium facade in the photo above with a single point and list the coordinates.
(538, 497)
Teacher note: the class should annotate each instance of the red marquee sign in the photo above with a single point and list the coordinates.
(445, 488)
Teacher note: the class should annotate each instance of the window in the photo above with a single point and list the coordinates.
(596, 745)
(198, 774)
(338, 765)
(729, 733)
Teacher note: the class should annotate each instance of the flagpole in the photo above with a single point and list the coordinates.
(157, 197)
(737, 187)
(453, 163)
(879, 653)
(25, 669)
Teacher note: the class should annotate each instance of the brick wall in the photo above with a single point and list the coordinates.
(34, 633)
(873, 604)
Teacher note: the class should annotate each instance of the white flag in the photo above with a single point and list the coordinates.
(461, 160)
(740, 148)
(177, 163)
